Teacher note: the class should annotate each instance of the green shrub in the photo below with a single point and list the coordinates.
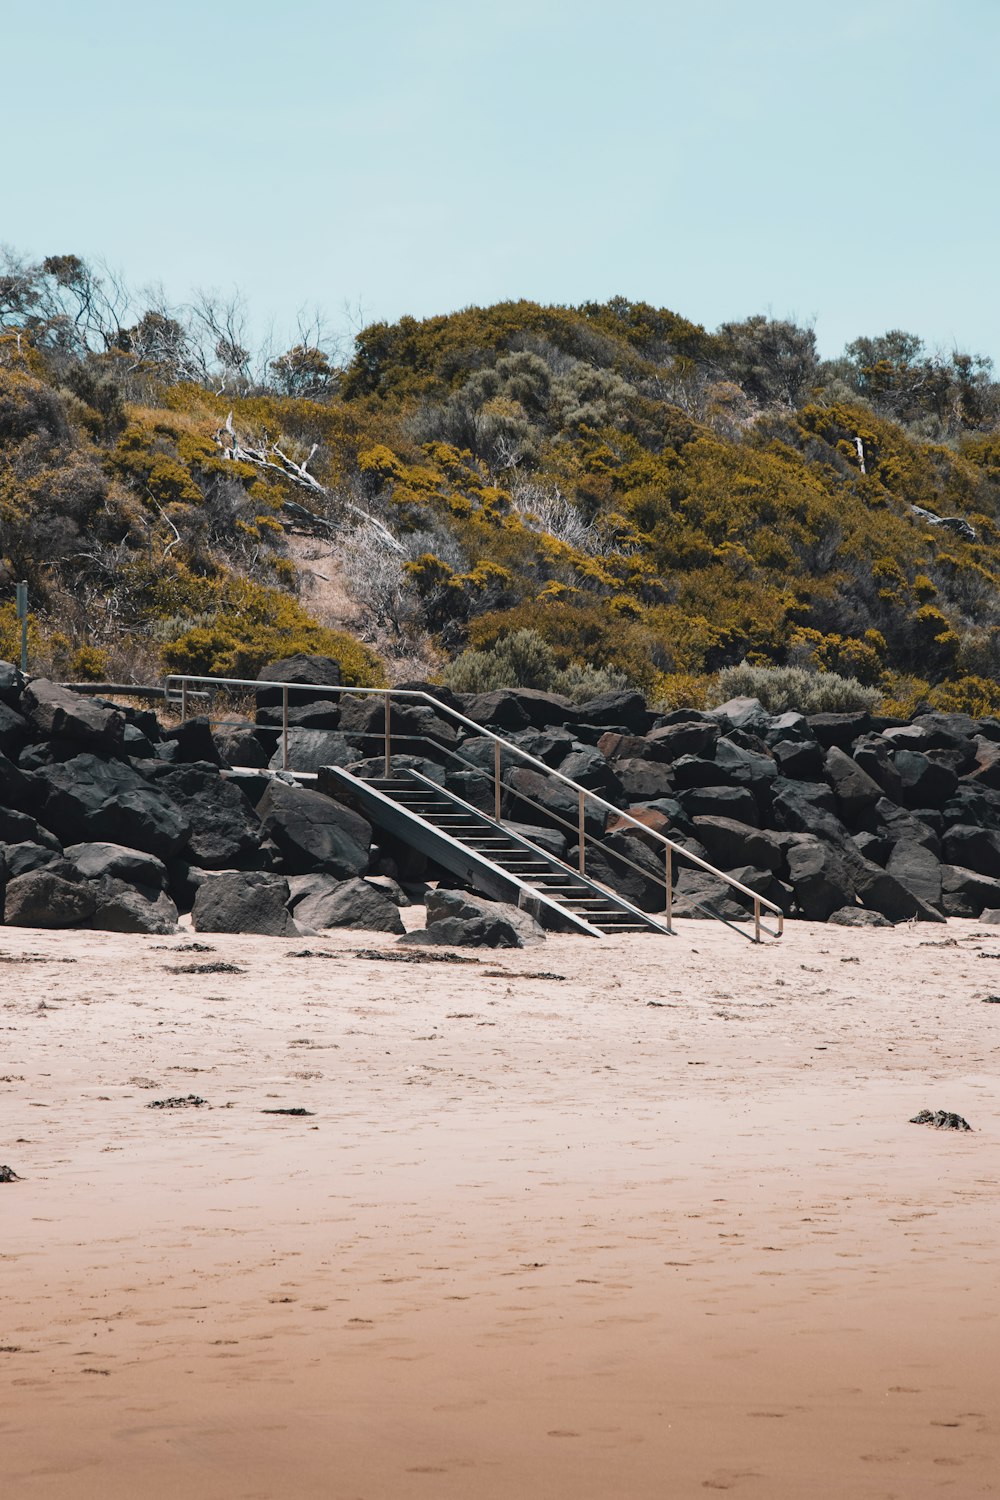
(781, 689)
(524, 659)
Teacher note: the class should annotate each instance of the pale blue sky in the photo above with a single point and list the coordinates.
(834, 162)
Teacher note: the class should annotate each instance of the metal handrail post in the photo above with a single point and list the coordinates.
(184, 700)
(669, 872)
(496, 780)
(388, 738)
(583, 833)
(756, 919)
(284, 728)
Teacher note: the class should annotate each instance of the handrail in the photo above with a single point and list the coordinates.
(184, 679)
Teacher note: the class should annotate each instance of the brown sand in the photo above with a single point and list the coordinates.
(539, 1237)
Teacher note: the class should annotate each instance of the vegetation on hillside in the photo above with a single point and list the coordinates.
(607, 489)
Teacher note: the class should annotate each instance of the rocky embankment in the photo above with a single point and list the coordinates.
(110, 820)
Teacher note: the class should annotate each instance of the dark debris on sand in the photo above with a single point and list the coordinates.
(219, 967)
(941, 1119)
(416, 956)
(7, 1174)
(186, 1101)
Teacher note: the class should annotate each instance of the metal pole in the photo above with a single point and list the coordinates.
(496, 780)
(583, 835)
(284, 728)
(756, 919)
(670, 889)
(184, 700)
(21, 593)
(388, 739)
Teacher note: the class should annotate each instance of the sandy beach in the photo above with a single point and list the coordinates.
(642, 1218)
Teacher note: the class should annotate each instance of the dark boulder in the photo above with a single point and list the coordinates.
(475, 787)
(225, 830)
(643, 780)
(985, 769)
(788, 727)
(821, 878)
(121, 907)
(24, 857)
(243, 901)
(627, 867)
(533, 797)
(840, 729)
(309, 749)
(11, 684)
(806, 807)
(194, 741)
(301, 672)
(41, 899)
(743, 713)
(502, 709)
(671, 741)
(463, 906)
(414, 728)
(87, 799)
(874, 847)
(616, 746)
(973, 849)
(745, 764)
(697, 771)
(550, 746)
(925, 783)
(548, 839)
(620, 710)
(97, 861)
(857, 916)
(881, 891)
(313, 832)
(732, 843)
(56, 712)
(323, 714)
(900, 826)
(801, 760)
(588, 767)
(14, 729)
(965, 893)
(701, 895)
(764, 883)
(477, 932)
(242, 747)
(351, 903)
(873, 754)
(853, 788)
(735, 802)
(916, 868)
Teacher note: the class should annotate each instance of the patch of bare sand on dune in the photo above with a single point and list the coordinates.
(658, 1227)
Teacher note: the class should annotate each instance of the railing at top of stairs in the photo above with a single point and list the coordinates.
(185, 689)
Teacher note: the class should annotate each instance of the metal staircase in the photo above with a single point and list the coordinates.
(491, 857)
(481, 848)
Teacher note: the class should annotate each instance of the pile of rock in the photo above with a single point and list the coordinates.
(109, 820)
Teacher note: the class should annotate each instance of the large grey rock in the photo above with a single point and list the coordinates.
(533, 797)
(56, 712)
(88, 799)
(821, 879)
(973, 849)
(549, 839)
(743, 713)
(14, 729)
(965, 893)
(901, 826)
(24, 857)
(301, 671)
(313, 832)
(309, 749)
(464, 906)
(915, 867)
(243, 901)
(879, 890)
(671, 741)
(225, 830)
(701, 895)
(351, 903)
(95, 861)
(840, 729)
(477, 932)
(858, 916)
(734, 802)
(800, 759)
(925, 782)
(855, 791)
(643, 780)
(323, 714)
(588, 767)
(628, 867)
(11, 683)
(194, 741)
(875, 757)
(120, 907)
(41, 899)
(732, 843)
(619, 710)
(414, 727)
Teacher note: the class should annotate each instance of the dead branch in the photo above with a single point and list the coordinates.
(279, 463)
